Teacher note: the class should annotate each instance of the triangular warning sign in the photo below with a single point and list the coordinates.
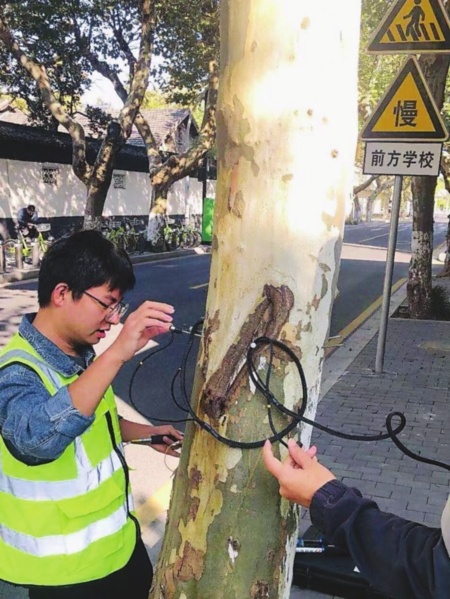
(407, 110)
(412, 26)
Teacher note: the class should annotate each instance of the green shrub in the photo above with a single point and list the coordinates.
(440, 303)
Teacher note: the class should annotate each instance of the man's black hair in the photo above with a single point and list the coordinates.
(31, 207)
(84, 260)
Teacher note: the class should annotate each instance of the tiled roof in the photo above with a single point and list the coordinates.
(168, 125)
(20, 142)
(10, 114)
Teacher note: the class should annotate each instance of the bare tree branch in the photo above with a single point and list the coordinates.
(179, 165)
(141, 72)
(358, 188)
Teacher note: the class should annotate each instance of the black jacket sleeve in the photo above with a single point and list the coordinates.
(402, 559)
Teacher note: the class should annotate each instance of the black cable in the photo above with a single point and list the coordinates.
(126, 473)
(133, 376)
(390, 434)
(206, 426)
(272, 402)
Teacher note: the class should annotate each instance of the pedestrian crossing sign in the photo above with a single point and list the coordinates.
(407, 111)
(412, 26)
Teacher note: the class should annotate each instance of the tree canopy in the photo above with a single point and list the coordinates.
(72, 39)
(116, 39)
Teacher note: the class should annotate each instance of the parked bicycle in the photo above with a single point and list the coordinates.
(124, 235)
(184, 236)
(26, 244)
(136, 238)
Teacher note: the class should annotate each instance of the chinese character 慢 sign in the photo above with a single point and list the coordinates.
(397, 158)
(407, 110)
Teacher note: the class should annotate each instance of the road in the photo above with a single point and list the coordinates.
(183, 283)
(363, 262)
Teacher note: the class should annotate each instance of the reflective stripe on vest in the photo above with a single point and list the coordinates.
(92, 465)
(51, 374)
(66, 544)
(88, 478)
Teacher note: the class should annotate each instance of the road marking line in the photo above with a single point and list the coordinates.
(359, 320)
(361, 241)
(199, 286)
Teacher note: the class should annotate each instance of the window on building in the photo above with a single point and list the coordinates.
(50, 174)
(119, 181)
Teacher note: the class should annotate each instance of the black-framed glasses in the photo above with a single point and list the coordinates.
(118, 309)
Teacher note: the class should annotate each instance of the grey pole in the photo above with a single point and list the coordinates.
(35, 253)
(381, 346)
(19, 254)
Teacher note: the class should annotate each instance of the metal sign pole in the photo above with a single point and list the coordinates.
(381, 346)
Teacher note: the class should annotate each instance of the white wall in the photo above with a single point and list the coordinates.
(185, 196)
(21, 184)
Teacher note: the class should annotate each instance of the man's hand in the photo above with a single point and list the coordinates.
(136, 432)
(148, 321)
(167, 429)
(300, 475)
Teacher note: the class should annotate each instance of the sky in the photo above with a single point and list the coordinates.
(101, 92)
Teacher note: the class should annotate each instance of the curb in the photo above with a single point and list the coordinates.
(441, 249)
(32, 273)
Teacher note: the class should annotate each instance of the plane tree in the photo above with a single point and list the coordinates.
(419, 286)
(187, 43)
(285, 168)
(51, 48)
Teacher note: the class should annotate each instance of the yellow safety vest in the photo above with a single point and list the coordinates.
(67, 521)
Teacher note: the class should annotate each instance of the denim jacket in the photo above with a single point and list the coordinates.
(36, 426)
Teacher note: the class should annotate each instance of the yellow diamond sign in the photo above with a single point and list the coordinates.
(407, 111)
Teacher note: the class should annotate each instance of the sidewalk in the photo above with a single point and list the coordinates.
(416, 381)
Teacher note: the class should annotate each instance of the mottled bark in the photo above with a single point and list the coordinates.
(419, 275)
(356, 209)
(275, 253)
(157, 216)
(435, 69)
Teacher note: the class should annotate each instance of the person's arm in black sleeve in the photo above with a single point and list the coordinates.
(398, 557)
(403, 559)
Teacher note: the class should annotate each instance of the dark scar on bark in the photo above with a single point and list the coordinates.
(268, 319)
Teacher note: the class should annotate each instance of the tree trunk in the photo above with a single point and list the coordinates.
(276, 247)
(435, 69)
(356, 210)
(95, 200)
(419, 275)
(100, 179)
(369, 208)
(157, 216)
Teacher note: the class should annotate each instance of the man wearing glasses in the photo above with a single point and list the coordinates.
(67, 525)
